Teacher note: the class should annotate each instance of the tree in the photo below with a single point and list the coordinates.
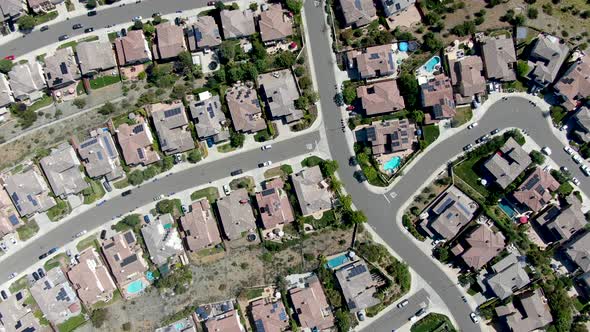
(464, 29)
(305, 82)
(355, 217)
(150, 172)
(5, 66)
(227, 51)
(107, 108)
(26, 23)
(532, 13)
(131, 220)
(522, 68)
(258, 50)
(165, 206)
(253, 6)
(349, 93)
(408, 87)
(91, 4)
(537, 157)
(80, 103)
(299, 71)
(236, 139)
(430, 42)
(294, 6)
(417, 116)
(135, 177)
(342, 320)
(161, 75)
(194, 156)
(285, 59)
(219, 5)
(518, 20)
(329, 167)
(301, 103)
(98, 316)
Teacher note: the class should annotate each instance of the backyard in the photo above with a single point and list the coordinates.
(102, 81)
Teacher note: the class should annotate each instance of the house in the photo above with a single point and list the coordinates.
(528, 312)
(508, 275)
(61, 69)
(41, 6)
(171, 125)
(62, 170)
(269, 316)
(56, 297)
(95, 57)
(236, 214)
(358, 13)
(162, 240)
(9, 218)
(199, 227)
(467, 78)
(91, 279)
(389, 136)
(210, 121)
(132, 49)
(450, 213)
(244, 108)
(169, 41)
(202, 33)
(18, 316)
(392, 7)
(273, 204)
(29, 192)
(312, 191)
(100, 156)
(229, 321)
(358, 285)
(483, 244)
(437, 95)
(535, 191)
(279, 90)
(499, 58)
(546, 57)
(507, 164)
(312, 310)
(274, 24)
(380, 98)
(237, 24)
(574, 85)
(27, 82)
(125, 259)
(186, 324)
(582, 124)
(137, 143)
(6, 97)
(372, 62)
(578, 251)
(561, 223)
(11, 10)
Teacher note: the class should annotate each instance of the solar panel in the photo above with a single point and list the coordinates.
(63, 68)
(32, 200)
(371, 134)
(13, 220)
(210, 111)
(283, 315)
(138, 129)
(268, 192)
(88, 143)
(129, 238)
(129, 260)
(140, 153)
(357, 270)
(531, 183)
(108, 146)
(198, 35)
(259, 325)
(99, 155)
(15, 198)
(172, 112)
(448, 201)
(374, 56)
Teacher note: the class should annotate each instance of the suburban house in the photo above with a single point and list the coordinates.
(358, 285)
(450, 213)
(527, 312)
(6, 97)
(507, 164)
(171, 125)
(573, 86)
(62, 170)
(279, 90)
(91, 279)
(244, 109)
(499, 58)
(18, 316)
(392, 7)
(437, 95)
(27, 82)
(210, 121)
(269, 316)
(199, 227)
(162, 240)
(312, 310)
(380, 98)
(507, 276)
(10, 10)
(9, 218)
(467, 78)
(137, 143)
(561, 223)
(372, 62)
(578, 251)
(546, 57)
(274, 24)
(132, 49)
(169, 41)
(237, 23)
(273, 204)
(29, 192)
(237, 217)
(480, 247)
(582, 124)
(41, 6)
(358, 13)
(56, 297)
(202, 33)
(312, 190)
(229, 321)
(535, 191)
(100, 156)
(389, 136)
(61, 70)
(96, 57)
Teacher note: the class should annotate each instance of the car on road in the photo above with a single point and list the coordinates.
(585, 169)
(473, 125)
(137, 18)
(87, 30)
(266, 163)
(52, 250)
(4, 295)
(3, 246)
(474, 317)
(211, 3)
(483, 139)
(92, 13)
(126, 193)
(546, 151)
(360, 176)
(41, 273)
(9, 57)
(564, 169)
(43, 255)
(80, 233)
(156, 14)
(577, 159)
(63, 37)
(420, 312)
(568, 150)
(352, 161)
(495, 131)
(467, 147)
(77, 26)
(12, 275)
(266, 147)
(236, 172)
(35, 275)
(103, 234)
(576, 181)
(226, 189)
(159, 197)
(403, 303)
(45, 28)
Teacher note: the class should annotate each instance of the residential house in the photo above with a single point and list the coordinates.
(186, 324)
(100, 156)
(358, 13)
(61, 69)
(507, 164)
(269, 316)
(18, 316)
(162, 240)
(244, 108)
(312, 310)
(11, 10)
(380, 98)
(91, 279)
(274, 24)
(132, 49)
(528, 312)
(467, 78)
(358, 285)
(229, 321)
(237, 23)
(236, 214)
(273, 204)
(210, 121)
(56, 297)
(508, 275)
(561, 223)
(437, 95)
(279, 90)
(391, 7)
(9, 218)
(546, 57)
(137, 143)
(582, 124)
(199, 227)
(96, 57)
(574, 85)
(483, 244)
(169, 41)
(372, 62)
(578, 251)
(6, 97)
(389, 136)
(535, 191)
(29, 192)
(171, 125)
(27, 82)
(62, 170)
(41, 6)
(499, 58)
(450, 213)
(202, 33)
(312, 191)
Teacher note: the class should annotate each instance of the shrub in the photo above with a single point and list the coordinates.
(79, 103)
(165, 206)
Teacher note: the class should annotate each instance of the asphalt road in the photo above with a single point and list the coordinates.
(189, 178)
(397, 317)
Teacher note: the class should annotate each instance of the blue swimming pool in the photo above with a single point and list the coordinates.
(507, 208)
(149, 275)
(337, 261)
(392, 164)
(135, 287)
(403, 46)
(430, 66)
(179, 326)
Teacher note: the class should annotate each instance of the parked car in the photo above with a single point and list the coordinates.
(473, 125)
(156, 14)
(474, 317)
(4, 295)
(495, 131)
(585, 169)
(41, 272)
(266, 147)
(125, 193)
(360, 176)
(159, 197)
(123, 32)
(63, 37)
(3, 246)
(361, 315)
(147, 218)
(80, 233)
(420, 312)
(12, 275)
(35, 276)
(103, 234)
(45, 28)
(577, 159)
(211, 3)
(69, 253)
(137, 18)
(43, 255)
(92, 13)
(9, 57)
(467, 147)
(52, 250)
(352, 161)
(226, 189)
(77, 26)
(402, 304)
(184, 208)
(568, 150)
(107, 186)
(576, 181)
(87, 30)
(236, 172)
(546, 151)
(266, 163)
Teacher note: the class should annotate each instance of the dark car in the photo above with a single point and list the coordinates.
(420, 312)
(467, 147)
(211, 3)
(352, 161)
(103, 234)
(495, 131)
(45, 28)
(236, 172)
(77, 26)
(92, 13)
(63, 37)
(107, 186)
(52, 250)
(4, 295)
(87, 30)
(40, 272)
(123, 32)
(43, 256)
(126, 193)
(36, 276)
(360, 176)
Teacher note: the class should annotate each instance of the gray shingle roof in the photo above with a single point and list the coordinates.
(508, 164)
(499, 58)
(312, 191)
(95, 56)
(236, 214)
(237, 23)
(29, 192)
(27, 81)
(546, 57)
(62, 169)
(358, 286)
(162, 239)
(280, 92)
(209, 119)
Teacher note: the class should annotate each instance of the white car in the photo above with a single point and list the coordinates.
(473, 125)
(568, 150)
(474, 317)
(159, 197)
(137, 18)
(266, 163)
(13, 240)
(402, 304)
(226, 189)
(564, 127)
(577, 159)
(266, 147)
(3, 246)
(80, 233)
(585, 169)
(546, 151)
(12, 275)
(576, 181)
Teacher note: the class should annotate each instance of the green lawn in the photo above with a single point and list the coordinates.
(94, 192)
(463, 116)
(243, 182)
(54, 261)
(71, 43)
(311, 161)
(42, 320)
(225, 148)
(27, 230)
(430, 133)
(121, 184)
(71, 324)
(43, 102)
(433, 322)
(112, 36)
(21, 283)
(87, 242)
(46, 17)
(327, 219)
(211, 193)
(210, 251)
(60, 210)
(253, 293)
(102, 81)
(273, 172)
(466, 171)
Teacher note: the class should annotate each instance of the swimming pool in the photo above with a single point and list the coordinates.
(149, 275)
(392, 164)
(403, 46)
(179, 326)
(337, 261)
(430, 66)
(505, 206)
(135, 287)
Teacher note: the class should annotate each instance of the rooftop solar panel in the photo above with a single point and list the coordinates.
(108, 146)
(88, 143)
(172, 112)
(138, 129)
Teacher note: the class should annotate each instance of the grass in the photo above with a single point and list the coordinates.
(243, 182)
(102, 81)
(60, 210)
(210, 251)
(42, 320)
(94, 192)
(327, 219)
(557, 114)
(102, 304)
(433, 322)
(430, 133)
(27, 230)
(71, 324)
(43, 102)
(463, 116)
(121, 184)
(253, 293)
(112, 36)
(20, 284)
(466, 172)
(71, 43)
(54, 262)
(211, 193)
(311, 161)
(226, 148)
(87, 242)
(45, 17)
(273, 172)
(41, 57)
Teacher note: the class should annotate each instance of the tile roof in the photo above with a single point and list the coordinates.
(484, 245)
(27, 81)
(466, 75)
(237, 23)
(29, 192)
(244, 108)
(125, 258)
(171, 125)
(563, 222)
(236, 214)
(95, 56)
(535, 191)
(579, 251)
(203, 32)
(311, 306)
(507, 164)
(5, 93)
(274, 207)
(62, 169)
(380, 98)
(9, 218)
(56, 297)
(132, 48)
(161, 239)
(275, 24)
(91, 279)
(136, 143)
(574, 85)
(358, 286)
(373, 61)
(199, 226)
(169, 41)
(100, 156)
(279, 90)
(499, 58)
(210, 121)
(547, 56)
(438, 94)
(358, 13)
(227, 322)
(312, 191)
(453, 210)
(269, 316)
(390, 136)
(61, 68)
(19, 316)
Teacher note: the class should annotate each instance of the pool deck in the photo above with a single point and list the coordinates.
(382, 159)
(348, 261)
(127, 295)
